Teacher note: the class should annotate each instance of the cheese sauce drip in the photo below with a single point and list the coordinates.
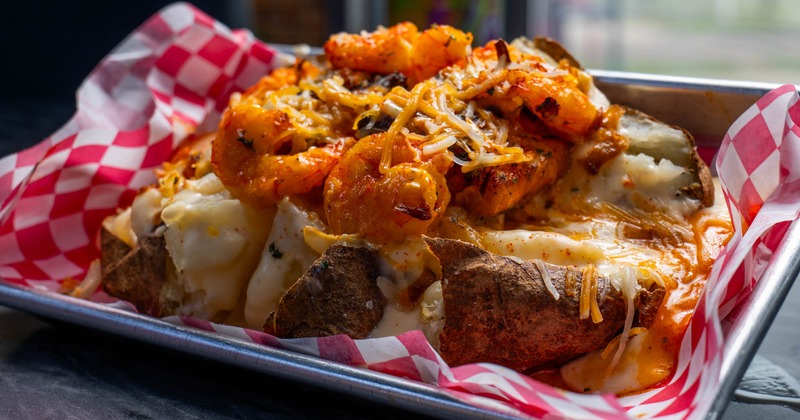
(640, 358)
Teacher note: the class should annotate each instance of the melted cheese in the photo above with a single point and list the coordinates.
(214, 241)
(138, 220)
(633, 181)
(90, 283)
(396, 319)
(431, 310)
(285, 257)
(548, 283)
(648, 358)
(401, 265)
(551, 247)
(120, 226)
(427, 316)
(629, 286)
(145, 212)
(404, 263)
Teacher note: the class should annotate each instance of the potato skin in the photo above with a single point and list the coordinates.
(339, 294)
(137, 274)
(498, 310)
(703, 189)
(702, 185)
(555, 50)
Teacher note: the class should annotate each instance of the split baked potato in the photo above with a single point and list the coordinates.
(491, 197)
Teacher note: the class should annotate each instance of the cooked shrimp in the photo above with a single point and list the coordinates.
(277, 79)
(389, 206)
(400, 48)
(491, 190)
(260, 160)
(383, 51)
(552, 93)
(436, 48)
(556, 100)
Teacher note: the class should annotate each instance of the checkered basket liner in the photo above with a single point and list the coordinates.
(173, 76)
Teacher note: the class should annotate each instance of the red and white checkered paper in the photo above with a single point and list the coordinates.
(173, 76)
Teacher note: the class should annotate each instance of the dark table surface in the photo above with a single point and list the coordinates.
(50, 369)
(60, 371)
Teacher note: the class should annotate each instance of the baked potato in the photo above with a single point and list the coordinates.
(339, 294)
(138, 274)
(491, 197)
(495, 309)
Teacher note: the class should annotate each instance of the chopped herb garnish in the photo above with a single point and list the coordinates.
(276, 253)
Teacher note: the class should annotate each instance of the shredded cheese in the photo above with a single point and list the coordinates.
(434, 107)
(334, 91)
(409, 110)
(439, 146)
(589, 277)
(494, 78)
(597, 317)
(466, 127)
(661, 223)
(569, 281)
(548, 282)
(628, 284)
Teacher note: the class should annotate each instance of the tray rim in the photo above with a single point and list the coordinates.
(765, 302)
(683, 82)
(375, 386)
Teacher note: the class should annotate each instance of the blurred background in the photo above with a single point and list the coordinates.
(754, 40)
(49, 46)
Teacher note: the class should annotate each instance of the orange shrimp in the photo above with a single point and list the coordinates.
(554, 95)
(436, 48)
(383, 51)
(278, 78)
(556, 100)
(400, 48)
(402, 202)
(491, 190)
(260, 160)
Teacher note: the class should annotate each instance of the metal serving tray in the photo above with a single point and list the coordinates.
(704, 107)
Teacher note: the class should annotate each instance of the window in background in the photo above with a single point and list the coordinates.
(753, 40)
